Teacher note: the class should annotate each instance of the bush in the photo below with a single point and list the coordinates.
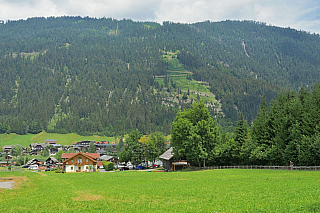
(108, 166)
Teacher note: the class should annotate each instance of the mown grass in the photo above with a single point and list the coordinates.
(203, 191)
(63, 139)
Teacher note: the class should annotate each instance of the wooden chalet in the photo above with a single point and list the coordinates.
(7, 149)
(34, 161)
(51, 161)
(80, 162)
(8, 157)
(36, 148)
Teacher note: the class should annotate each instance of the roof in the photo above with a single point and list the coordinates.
(99, 163)
(53, 159)
(7, 147)
(167, 155)
(106, 157)
(180, 163)
(38, 144)
(91, 155)
(32, 160)
(102, 142)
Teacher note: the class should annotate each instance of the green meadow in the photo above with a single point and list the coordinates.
(179, 75)
(232, 190)
(63, 139)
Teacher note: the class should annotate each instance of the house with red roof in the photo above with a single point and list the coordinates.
(80, 162)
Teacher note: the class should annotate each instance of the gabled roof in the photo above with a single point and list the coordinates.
(32, 161)
(106, 157)
(91, 156)
(167, 155)
(52, 158)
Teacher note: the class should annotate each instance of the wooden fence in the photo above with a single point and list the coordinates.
(304, 168)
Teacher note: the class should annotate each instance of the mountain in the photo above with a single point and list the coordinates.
(108, 76)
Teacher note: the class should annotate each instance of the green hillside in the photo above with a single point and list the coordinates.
(105, 76)
(63, 139)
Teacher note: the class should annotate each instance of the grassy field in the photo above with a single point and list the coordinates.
(63, 139)
(203, 191)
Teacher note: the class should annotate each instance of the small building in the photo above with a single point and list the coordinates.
(51, 141)
(167, 158)
(51, 161)
(54, 148)
(7, 149)
(36, 148)
(101, 152)
(169, 164)
(5, 163)
(109, 158)
(8, 157)
(34, 161)
(80, 162)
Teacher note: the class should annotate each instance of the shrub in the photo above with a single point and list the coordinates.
(108, 166)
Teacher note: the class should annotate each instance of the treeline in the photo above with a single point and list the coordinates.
(286, 130)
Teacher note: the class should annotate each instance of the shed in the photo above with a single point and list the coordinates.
(167, 158)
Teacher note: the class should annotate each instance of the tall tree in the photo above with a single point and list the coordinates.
(92, 147)
(155, 145)
(194, 134)
(135, 148)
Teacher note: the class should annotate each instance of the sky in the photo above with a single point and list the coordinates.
(298, 14)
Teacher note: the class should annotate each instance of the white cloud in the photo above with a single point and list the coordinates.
(299, 14)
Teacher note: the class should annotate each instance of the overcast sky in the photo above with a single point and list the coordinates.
(298, 14)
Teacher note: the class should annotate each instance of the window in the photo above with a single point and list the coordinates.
(71, 168)
(87, 160)
(87, 167)
(79, 159)
(71, 160)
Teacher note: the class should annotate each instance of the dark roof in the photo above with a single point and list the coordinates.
(32, 161)
(53, 159)
(167, 155)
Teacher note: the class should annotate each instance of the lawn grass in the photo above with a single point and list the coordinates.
(63, 139)
(203, 191)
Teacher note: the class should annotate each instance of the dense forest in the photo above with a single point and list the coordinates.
(285, 130)
(88, 75)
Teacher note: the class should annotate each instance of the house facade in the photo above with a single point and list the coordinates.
(80, 162)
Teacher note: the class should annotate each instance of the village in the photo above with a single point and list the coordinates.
(76, 158)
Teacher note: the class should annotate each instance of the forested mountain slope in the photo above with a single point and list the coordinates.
(86, 75)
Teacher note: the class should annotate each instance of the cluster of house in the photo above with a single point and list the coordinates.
(37, 148)
(71, 162)
(79, 161)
